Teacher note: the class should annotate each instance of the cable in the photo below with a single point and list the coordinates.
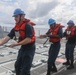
(13, 71)
(45, 41)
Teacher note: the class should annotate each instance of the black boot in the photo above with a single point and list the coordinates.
(48, 71)
(71, 66)
(67, 62)
(48, 74)
(54, 69)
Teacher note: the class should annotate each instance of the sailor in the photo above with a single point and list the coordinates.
(70, 34)
(25, 34)
(55, 34)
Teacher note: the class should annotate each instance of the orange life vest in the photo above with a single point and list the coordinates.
(54, 32)
(21, 29)
(70, 31)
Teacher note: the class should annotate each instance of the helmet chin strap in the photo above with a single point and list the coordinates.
(53, 25)
(19, 19)
(70, 25)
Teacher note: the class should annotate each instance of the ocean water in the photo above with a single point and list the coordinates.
(39, 29)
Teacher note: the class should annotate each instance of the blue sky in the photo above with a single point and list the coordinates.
(39, 11)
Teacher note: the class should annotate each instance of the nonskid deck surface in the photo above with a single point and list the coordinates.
(39, 66)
